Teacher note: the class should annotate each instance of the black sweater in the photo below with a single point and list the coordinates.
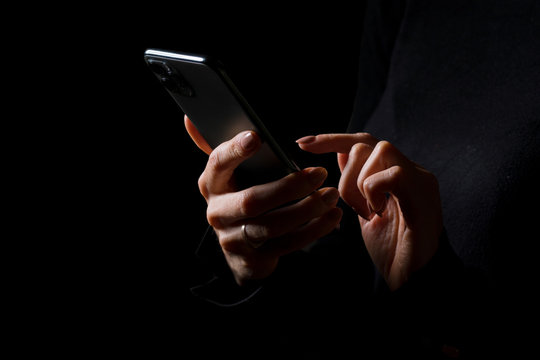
(455, 85)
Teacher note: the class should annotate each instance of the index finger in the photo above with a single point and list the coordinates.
(196, 136)
(338, 143)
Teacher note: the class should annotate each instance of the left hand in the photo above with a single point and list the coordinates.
(258, 225)
(400, 231)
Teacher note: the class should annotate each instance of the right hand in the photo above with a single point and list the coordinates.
(254, 226)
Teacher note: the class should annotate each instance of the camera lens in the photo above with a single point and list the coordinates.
(171, 79)
(159, 67)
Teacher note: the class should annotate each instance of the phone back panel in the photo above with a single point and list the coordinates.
(218, 110)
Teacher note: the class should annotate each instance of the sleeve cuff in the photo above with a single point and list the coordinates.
(225, 292)
(440, 273)
(221, 289)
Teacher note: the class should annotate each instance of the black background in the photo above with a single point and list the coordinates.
(110, 180)
(133, 169)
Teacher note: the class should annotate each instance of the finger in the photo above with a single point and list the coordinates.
(342, 160)
(287, 219)
(222, 162)
(305, 235)
(416, 190)
(196, 136)
(379, 184)
(339, 143)
(348, 183)
(250, 203)
(390, 163)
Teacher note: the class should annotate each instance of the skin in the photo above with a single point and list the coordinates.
(396, 200)
(273, 229)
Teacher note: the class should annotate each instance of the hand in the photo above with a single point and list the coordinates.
(258, 225)
(397, 201)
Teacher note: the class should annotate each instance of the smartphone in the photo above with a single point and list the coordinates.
(207, 95)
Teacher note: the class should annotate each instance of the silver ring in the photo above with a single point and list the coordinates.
(254, 244)
(244, 233)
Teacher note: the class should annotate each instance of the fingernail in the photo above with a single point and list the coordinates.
(330, 196)
(316, 175)
(306, 139)
(248, 141)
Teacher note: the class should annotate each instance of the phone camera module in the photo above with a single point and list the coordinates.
(159, 67)
(171, 79)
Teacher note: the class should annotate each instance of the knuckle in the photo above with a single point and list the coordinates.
(216, 161)
(366, 138)
(225, 156)
(384, 147)
(396, 172)
(202, 183)
(359, 148)
(213, 218)
(368, 184)
(248, 203)
(227, 243)
(360, 182)
(261, 233)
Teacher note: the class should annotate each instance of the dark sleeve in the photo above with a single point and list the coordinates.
(444, 308)
(381, 27)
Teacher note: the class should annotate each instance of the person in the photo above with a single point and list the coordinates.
(426, 253)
